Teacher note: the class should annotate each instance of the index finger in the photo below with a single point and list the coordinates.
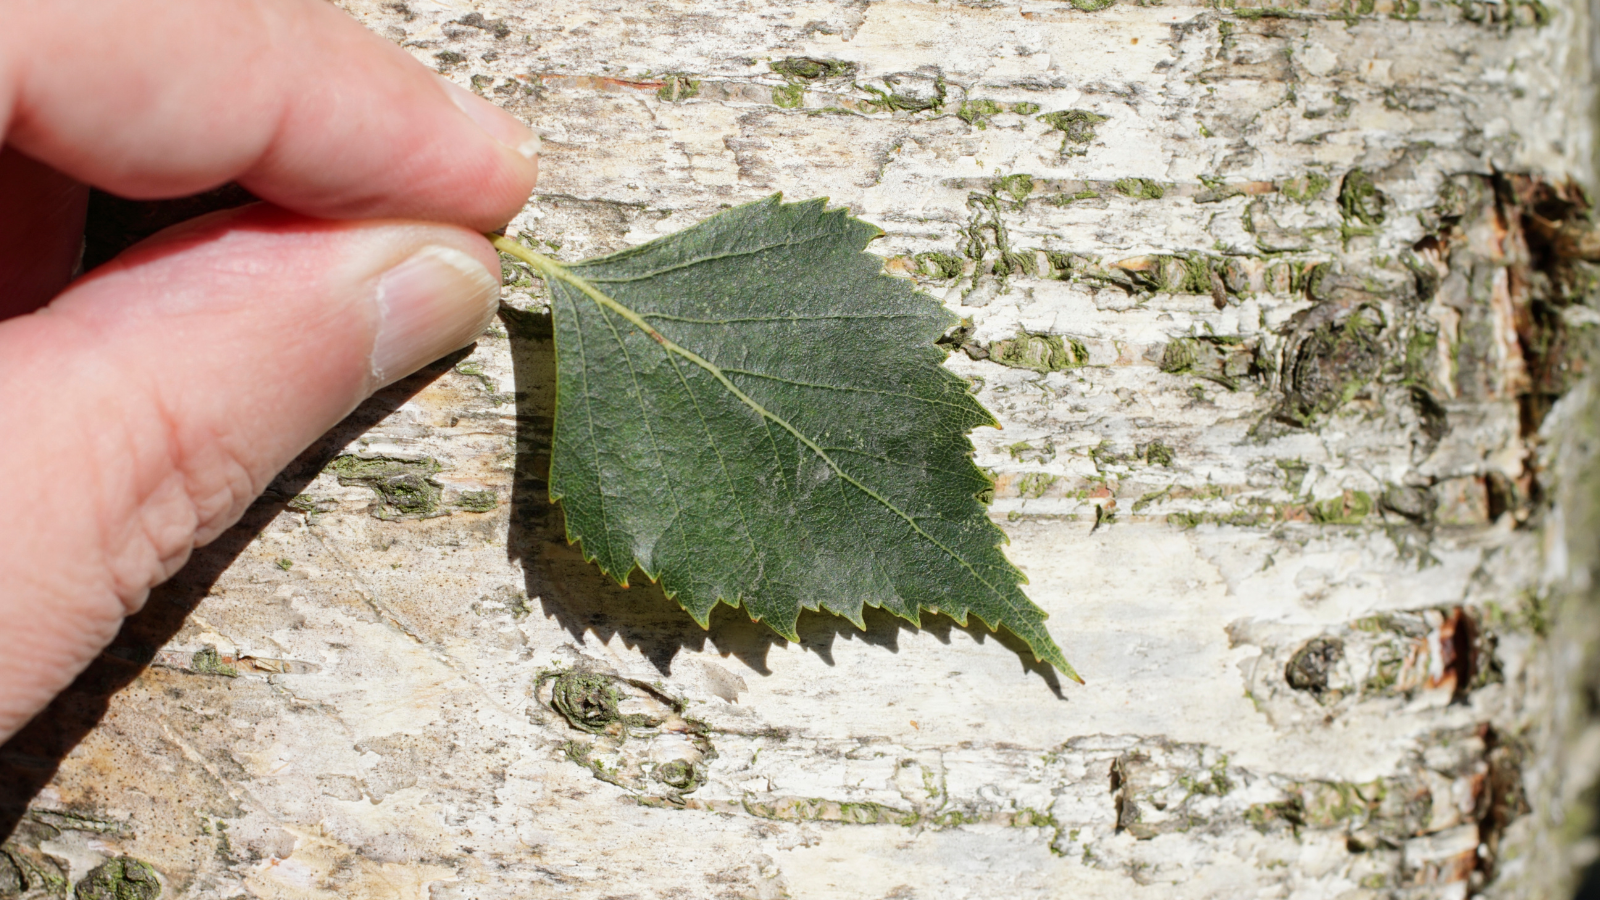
(291, 98)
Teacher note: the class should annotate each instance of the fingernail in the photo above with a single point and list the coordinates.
(500, 125)
(436, 301)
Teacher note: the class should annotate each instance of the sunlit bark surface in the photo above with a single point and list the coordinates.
(1284, 312)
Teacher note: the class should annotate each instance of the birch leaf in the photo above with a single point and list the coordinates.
(751, 412)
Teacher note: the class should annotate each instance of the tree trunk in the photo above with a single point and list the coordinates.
(1284, 313)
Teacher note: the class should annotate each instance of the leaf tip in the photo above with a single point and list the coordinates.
(1051, 655)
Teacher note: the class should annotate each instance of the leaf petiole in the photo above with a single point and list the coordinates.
(548, 268)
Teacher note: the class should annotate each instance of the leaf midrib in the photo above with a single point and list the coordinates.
(690, 263)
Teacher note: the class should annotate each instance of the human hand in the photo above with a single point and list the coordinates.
(146, 404)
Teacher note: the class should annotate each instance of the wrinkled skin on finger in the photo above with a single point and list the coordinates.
(149, 402)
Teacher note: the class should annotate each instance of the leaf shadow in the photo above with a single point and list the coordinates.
(30, 759)
(585, 601)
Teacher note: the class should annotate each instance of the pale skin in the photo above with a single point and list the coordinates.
(146, 404)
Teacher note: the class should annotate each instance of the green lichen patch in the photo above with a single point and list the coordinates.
(1330, 365)
(1333, 804)
(1139, 188)
(602, 767)
(1034, 485)
(1294, 473)
(1092, 5)
(1147, 499)
(206, 661)
(651, 750)
(1167, 789)
(986, 233)
(1067, 199)
(1421, 356)
(1027, 451)
(1103, 455)
(941, 265)
(478, 501)
(1268, 12)
(880, 100)
(1360, 200)
(1187, 273)
(121, 878)
(1227, 361)
(1076, 127)
(1011, 262)
(1354, 9)
(1236, 518)
(1264, 817)
(1018, 186)
(64, 820)
(26, 872)
(313, 508)
(1530, 612)
(1028, 817)
(788, 96)
(1349, 508)
(12, 881)
(1061, 265)
(1157, 453)
(472, 369)
(810, 68)
(677, 87)
(1306, 187)
(1040, 352)
(817, 809)
(1286, 277)
(677, 773)
(404, 487)
(1525, 13)
(1214, 782)
(978, 112)
(497, 27)
(1215, 190)
(588, 701)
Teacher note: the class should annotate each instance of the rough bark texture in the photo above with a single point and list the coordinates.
(1282, 312)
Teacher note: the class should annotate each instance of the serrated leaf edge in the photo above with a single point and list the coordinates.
(552, 269)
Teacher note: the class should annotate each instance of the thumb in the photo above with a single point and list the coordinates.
(151, 402)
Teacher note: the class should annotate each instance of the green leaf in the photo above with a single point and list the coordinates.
(751, 412)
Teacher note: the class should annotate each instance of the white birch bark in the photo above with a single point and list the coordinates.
(1273, 463)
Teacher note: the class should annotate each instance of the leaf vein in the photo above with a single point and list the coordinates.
(777, 319)
(877, 563)
(851, 389)
(916, 467)
(701, 260)
(661, 463)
